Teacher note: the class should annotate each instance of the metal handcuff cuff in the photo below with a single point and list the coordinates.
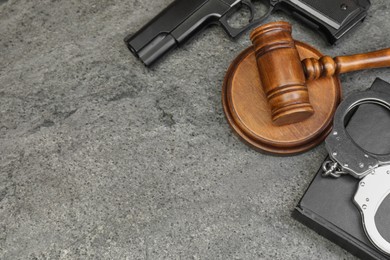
(373, 170)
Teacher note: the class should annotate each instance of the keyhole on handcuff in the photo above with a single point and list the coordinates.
(376, 134)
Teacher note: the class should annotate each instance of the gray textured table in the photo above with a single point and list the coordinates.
(101, 158)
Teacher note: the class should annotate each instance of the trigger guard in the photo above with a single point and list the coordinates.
(372, 190)
(235, 32)
(249, 4)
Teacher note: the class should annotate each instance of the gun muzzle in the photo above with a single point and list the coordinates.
(150, 52)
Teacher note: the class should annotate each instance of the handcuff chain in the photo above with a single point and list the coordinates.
(332, 169)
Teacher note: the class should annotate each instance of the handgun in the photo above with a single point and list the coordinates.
(182, 19)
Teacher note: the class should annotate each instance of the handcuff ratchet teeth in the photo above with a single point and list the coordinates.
(373, 169)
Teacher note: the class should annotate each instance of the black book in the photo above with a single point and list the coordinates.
(327, 205)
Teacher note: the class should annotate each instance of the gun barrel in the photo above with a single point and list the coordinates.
(155, 39)
(174, 26)
(154, 49)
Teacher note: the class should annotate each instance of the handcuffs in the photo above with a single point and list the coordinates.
(346, 157)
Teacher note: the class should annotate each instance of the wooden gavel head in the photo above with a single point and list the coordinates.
(281, 73)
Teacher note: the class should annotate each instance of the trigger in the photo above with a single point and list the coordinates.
(249, 4)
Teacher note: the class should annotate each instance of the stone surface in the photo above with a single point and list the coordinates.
(102, 158)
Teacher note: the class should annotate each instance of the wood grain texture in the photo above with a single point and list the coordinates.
(281, 73)
(249, 114)
(327, 66)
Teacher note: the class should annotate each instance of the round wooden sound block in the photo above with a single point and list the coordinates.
(249, 114)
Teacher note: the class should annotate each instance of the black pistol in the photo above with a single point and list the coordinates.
(182, 19)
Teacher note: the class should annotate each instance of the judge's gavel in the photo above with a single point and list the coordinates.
(283, 75)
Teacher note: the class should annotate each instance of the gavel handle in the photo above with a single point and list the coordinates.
(328, 66)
